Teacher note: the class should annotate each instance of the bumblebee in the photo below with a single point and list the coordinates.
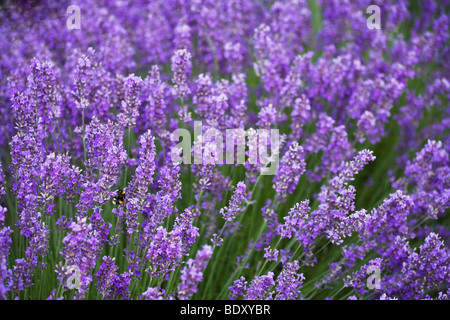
(120, 197)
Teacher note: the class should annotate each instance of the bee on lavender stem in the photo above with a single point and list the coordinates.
(120, 197)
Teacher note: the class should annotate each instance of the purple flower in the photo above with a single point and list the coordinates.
(192, 273)
(384, 296)
(233, 53)
(58, 178)
(229, 213)
(154, 105)
(271, 254)
(424, 270)
(292, 166)
(2, 182)
(272, 60)
(67, 108)
(5, 246)
(427, 175)
(181, 68)
(154, 293)
(82, 76)
(203, 92)
(267, 116)
(390, 217)
(358, 280)
(301, 114)
(137, 189)
(238, 288)
(259, 287)
(105, 156)
(82, 247)
(273, 226)
(182, 39)
(295, 220)
(44, 95)
(166, 249)
(131, 103)
(289, 282)
(105, 275)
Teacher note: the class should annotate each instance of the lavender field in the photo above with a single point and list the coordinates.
(225, 149)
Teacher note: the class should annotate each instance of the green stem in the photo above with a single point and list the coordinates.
(215, 260)
(334, 295)
(84, 138)
(129, 155)
(265, 262)
(237, 272)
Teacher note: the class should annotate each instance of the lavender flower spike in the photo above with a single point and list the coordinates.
(193, 273)
(2, 181)
(289, 282)
(292, 166)
(5, 245)
(259, 287)
(229, 213)
(181, 68)
(296, 219)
